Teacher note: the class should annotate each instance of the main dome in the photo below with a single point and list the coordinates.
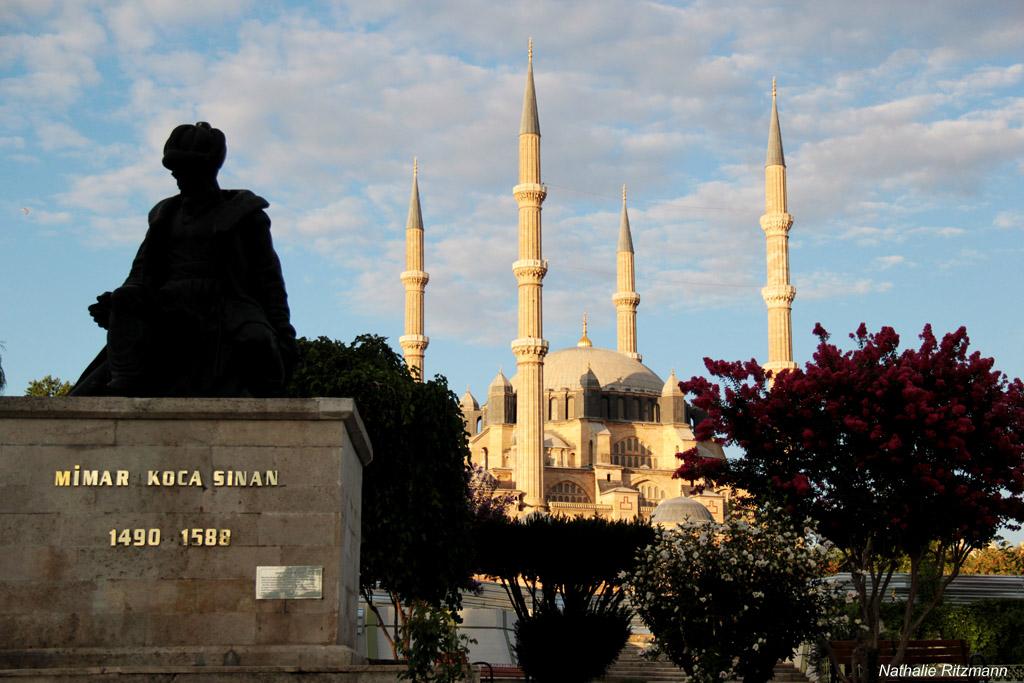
(565, 369)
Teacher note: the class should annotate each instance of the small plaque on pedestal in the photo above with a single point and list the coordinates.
(290, 583)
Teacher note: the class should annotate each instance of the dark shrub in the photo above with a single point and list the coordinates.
(560, 647)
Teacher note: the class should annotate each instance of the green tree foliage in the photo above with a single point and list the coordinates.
(564, 579)
(432, 646)
(48, 386)
(992, 628)
(914, 454)
(728, 601)
(416, 510)
(997, 558)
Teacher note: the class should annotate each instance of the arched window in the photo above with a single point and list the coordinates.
(606, 407)
(631, 452)
(634, 410)
(570, 408)
(590, 452)
(567, 492)
(479, 424)
(487, 464)
(650, 494)
(551, 409)
(657, 412)
(620, 408)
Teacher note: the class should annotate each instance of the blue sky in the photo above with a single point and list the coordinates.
(902, 125)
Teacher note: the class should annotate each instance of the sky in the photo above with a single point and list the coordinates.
(901, 122)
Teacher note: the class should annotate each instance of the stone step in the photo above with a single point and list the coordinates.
(633, 668)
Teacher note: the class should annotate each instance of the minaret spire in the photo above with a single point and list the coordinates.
(775, 156)
(531, 121)
(530, 347)
(778, 293)
(625, 298)
(413, 343)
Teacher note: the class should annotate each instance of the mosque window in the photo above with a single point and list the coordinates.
(606, 407)
(620, 408)
(487, 464)
(650, 494)
(631, 452)
(479, 423)
(657, 412)
(567, 492)
(570, 408)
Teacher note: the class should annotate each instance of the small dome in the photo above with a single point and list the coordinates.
(500, 384)
(565, 369)
(468, 401)
(679, 510)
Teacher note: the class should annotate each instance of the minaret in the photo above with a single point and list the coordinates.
(626, 299)
(413, 343)
(778, 294)
(530, 347)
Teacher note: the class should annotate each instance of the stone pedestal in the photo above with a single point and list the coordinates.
(131, 531)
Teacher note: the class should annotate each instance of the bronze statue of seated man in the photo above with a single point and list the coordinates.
(204, 310)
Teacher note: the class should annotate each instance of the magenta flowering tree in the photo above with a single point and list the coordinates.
(914, 454)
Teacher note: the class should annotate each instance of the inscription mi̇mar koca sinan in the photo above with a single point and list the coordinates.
(79, 476)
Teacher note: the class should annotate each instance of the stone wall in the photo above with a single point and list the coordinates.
(75, 589)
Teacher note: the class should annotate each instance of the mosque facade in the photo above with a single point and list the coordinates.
(586, 431)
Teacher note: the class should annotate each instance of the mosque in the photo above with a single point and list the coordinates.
(584, 430)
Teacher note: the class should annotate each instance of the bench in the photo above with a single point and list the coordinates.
(492, 672)
(952, 653)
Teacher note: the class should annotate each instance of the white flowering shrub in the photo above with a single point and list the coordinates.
(728, 601)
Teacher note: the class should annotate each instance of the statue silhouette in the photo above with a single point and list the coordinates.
(204, 311)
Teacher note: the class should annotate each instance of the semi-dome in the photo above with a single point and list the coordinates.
(566, 369)
(679, 510)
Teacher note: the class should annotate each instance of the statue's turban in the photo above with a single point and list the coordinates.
(195, 145)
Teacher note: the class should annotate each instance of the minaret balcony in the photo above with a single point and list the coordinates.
(776, 223)
(626, 299)
(413, 342)
(530, 192)
(530, 270)
(529, 348)
(418, 278)
(778, 296)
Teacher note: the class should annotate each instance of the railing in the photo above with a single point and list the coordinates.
(965, 588)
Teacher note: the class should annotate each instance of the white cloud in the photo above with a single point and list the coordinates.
(45, 217)
(1009, 219)
(56, 135)
(58, 64)
(821, 284)
(323, 114)
(964, 258)
(985, 79)
(12, 142)
(891, 261)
